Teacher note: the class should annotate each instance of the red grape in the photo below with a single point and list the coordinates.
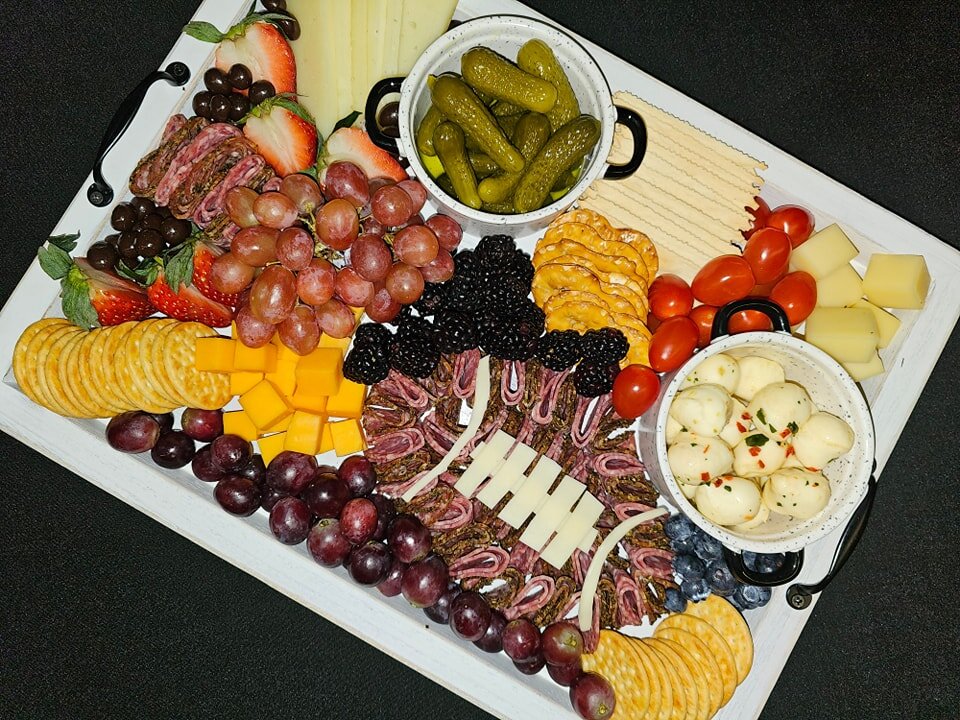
(359, 475)
(404, 283)
(592, 697)
(347, 181)
(316, 283)
(521, 640)
(300, 331)
(326, 496)
(230, 452)
(252, 331)
(173, 449)
(352, 288)
(383, 308)
(370, 256)
(203, 466)
(425, 581)
(336, 319)
(238, 203)
(275, 210)
(469, 615)
(377, 183)
(409, 539)
(492, 640)
(338, 224)
(391, 585)
(440, 270)
(415, 219)
(291, 471)
(274, 294)
(254, 469)
(386, 511)
(358, 520)
(562, 643)
(369, 563)
(270, 496)
(290, 521)
(238, 495)
(132, 432)
(256, 246)
(416, 245)
(304, 192)
(391, 206)
(229, 274)
(370, 226)
(294, 248)
(531, 666)
(447, 229)
(565, 675)
(416, 191)
(439, 612)
(327, 544)
(202, 425)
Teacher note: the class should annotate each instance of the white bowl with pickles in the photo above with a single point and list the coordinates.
(506, 121)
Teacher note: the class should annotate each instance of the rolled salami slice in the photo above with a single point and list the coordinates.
(188, 155)
(241, 174)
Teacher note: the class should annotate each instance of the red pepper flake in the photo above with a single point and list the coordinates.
(761, 464)
(704, 476)
(746, 416)
(785, 432)
(813, 469)
(741, 427)
(705, 448)
(718, 482)
(791, 451)
(754, 451)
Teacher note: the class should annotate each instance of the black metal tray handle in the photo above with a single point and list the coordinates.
(177, 74)
(377, 93)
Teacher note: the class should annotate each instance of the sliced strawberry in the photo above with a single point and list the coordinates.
(187, 304)
(190, 264)
(284, 134)
(354, 145)
(91, 297)
(256, 43)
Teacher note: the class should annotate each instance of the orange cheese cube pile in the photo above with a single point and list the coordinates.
(288, 401)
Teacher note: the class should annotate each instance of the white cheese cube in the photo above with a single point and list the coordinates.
(824, 252)
(897, 281)
(849, 335)
(485, 463)
(887, 323)
(508, 475)
(840, 288)
(531, 492)
(574, 531)
(864, 370)
(551, 515)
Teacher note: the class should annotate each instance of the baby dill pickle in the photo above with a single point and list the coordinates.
(482, 165)
(489, 72)
(538, 59)
(448, 141)
(530, 135)
(425, 130)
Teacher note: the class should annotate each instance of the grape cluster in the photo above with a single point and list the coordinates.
(309, 257)
(223, 100)
(698, 563)
(143, 230)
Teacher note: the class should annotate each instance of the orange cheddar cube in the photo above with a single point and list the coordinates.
(319, 373)
(348, 402)
(271, 446)
(326, 439)
(261, 359)
(326, 341)
(242, 381)
(284, 377)
(280, 426)
(305, 433)
(265, 405)
(237, 422)
(347, 437)
(214, 354)
(357, 312)
(302, 400)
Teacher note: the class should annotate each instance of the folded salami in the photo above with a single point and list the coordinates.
(206, 173)
(183, 163)
(152, 168)
(241, 174)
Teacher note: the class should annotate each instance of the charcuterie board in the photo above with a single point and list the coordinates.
(182, 504)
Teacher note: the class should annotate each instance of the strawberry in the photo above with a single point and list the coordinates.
(284, 134)
(190, 262)
(91, 297)
(354, 145)
(187, 304)
(256, 43)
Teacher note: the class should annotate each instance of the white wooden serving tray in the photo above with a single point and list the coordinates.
(186, 505)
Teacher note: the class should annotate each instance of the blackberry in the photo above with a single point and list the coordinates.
(416, 328)
(431, 300)
(499, 295)
(413, 350)
(604, 346)
(559, 349)
(593, 380)
(465, 263)
(366, 364)
(519, 269)
(373, 335)
(455, 332)
(511, 334)
(495, 250)
(459, 293)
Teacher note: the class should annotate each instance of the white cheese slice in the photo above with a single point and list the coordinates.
(575, 529)
(377, 35)
(531, 492)
(485, 463)
(481, 397)
(508, 475)
(553, 513)
(592, 578)
(423, 22)
(359, 50)
(317, 65)
(339, 34)
(586, 544)
(393, 37)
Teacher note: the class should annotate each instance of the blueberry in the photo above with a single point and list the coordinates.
(751, 596)
(684, 545)
(695, 590)
(707, 548)
(688, 567)
(720, 579)
(759, 562)
(675, 601)
(735, 598)
(678, 526)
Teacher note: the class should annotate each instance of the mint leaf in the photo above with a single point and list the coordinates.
(75, 294)
(65, 242)
(54, 261)
(757, 440)
(347, 121)
(203, 31)
(179, 267)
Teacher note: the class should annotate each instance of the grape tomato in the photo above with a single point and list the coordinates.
(722, 280)
(768, 254)
(702, 316)
(748, 321)
(797, 222)
(634, 391)
(673, 343)
(796, 293)
(670, 296)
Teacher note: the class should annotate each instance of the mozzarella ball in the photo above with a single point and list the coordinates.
(702, 409)
(822, 438)
(672, 430)
(759, 519)
(738, 426)
(758, 460)
(697, 459)
(728, 500)
(792, 461)
(756, 373)
(689, 491)
(780, 409)
(798, 493)
(717, 369)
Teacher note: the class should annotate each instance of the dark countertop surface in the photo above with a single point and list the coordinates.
(105, 613)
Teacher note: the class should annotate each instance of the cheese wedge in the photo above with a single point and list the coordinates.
(318, 67)
(359, 49)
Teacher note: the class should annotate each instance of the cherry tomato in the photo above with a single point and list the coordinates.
(634, 391)
(795, 221)
(747, 321)
(670, 296)
(724, 279)
(768, 252)
(763, 290)
(702, 316)
(760, 214)
(673, 343)
(796, 294)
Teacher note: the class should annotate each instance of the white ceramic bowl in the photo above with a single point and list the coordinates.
(830, 388)
(506, 34)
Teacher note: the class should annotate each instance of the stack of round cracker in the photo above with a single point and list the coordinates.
(688, 670)
(589, 275)
(147, 365)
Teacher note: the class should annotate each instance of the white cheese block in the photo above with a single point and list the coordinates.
(531, 493)
(481, 396)
(317, 64)
(552, 513)
(393, 39)
(849, 335)
(824, 252)
(576, 528)
(485, 463)
(864, 370)
(340, 20)
(423, 22)
(359, 51)
(897, 281)
(508, 476)
(840, 288)
(887, 323)
(377, 37)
